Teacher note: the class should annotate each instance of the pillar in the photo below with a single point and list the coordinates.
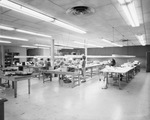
(52, 53)
(2, 56)
(86, 53)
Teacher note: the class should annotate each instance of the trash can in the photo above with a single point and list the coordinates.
(2, 100)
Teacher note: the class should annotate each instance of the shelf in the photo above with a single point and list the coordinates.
(9, 58)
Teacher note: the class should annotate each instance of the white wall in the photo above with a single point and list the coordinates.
(46, 52)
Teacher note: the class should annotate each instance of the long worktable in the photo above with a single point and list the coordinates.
(15, 79)
(92, 66)
(118, 70)
(73, 74)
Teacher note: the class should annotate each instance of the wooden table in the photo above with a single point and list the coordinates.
(73, 74)
(118, 70)
(93, 66)
(15, 79)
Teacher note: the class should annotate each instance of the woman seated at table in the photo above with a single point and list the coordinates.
(112, 62)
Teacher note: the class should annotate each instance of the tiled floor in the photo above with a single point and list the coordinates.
(49, 101)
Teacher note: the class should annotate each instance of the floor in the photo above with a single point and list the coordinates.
(49, 101)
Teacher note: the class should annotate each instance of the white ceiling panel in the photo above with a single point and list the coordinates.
(108, 14)
(17, 15)
(7, 18)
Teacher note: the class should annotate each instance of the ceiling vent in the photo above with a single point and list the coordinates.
(80, 10)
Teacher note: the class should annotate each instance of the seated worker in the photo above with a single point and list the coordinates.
(113, 62)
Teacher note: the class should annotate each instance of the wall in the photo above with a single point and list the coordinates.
(69, 51)
(0, 56)
(138, 51)
(22, 51)
(38, 52)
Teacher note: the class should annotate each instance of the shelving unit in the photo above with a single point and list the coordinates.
(9, 58)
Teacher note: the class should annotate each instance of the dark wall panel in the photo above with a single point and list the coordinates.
(33, 52)
(138, 51)
(148, 61)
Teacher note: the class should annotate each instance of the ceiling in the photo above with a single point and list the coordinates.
(108, 21)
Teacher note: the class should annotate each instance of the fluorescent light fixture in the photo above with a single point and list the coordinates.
(27, 46)
(61, 47)
(67, 26)
(115, 44)
(129, 9)
(40, 45)
(13, 38)
(25, 10)
(43, 47)
(92, 45)
(2, 41)
(33, 13)
(32, 33)
(88, 44)
(6, 28)
(123, 56)
(141, 39)
(106, 40)
(111, 56)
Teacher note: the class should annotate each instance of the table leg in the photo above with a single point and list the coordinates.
(0, 81)
(73, 81)
(59, 79)
(43, 77)
(127, 77)
(12, 84)
(119, 82)
(107, 78)
(50, 75)
(39, 75)
(15, 89)
(79, 79)
(8, 84)
(91, 72)
(28, 86)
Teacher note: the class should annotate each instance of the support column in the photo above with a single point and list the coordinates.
(85, 47)
(2, 56)
(86, 53)
(52, 53)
